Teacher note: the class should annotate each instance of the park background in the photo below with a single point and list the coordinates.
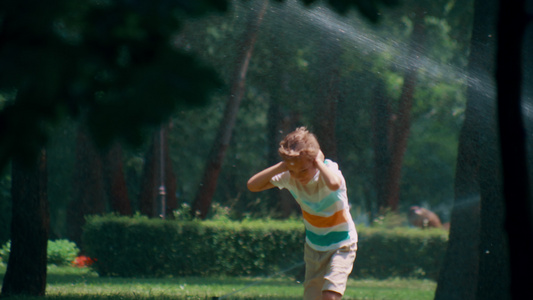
(385, 93)
(309, 67)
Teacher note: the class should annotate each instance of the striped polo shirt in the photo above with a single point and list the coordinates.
(326, 213)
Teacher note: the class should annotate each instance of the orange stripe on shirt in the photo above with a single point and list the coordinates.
(324, 222)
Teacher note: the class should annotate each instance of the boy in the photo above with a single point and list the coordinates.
(319, 188)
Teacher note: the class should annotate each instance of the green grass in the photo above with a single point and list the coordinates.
(69, 283)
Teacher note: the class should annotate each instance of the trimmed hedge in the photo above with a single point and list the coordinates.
(142, 247)
(400, 252)
(138, 246)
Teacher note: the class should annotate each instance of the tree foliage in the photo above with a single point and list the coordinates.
(285, 74)
(98, 61)
(104, 61)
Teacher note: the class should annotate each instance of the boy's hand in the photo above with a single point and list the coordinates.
(283, 166)
(319, 157)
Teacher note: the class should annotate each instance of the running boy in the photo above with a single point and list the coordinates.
(319, 188)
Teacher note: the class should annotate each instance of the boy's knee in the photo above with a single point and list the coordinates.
(331, 295)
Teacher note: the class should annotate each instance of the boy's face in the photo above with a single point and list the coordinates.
(301, 169)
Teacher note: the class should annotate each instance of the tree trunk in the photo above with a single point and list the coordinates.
(88, 193)
(382, 144)
(518, 223)
(402, 122)
(458, 275)
(475, 264)
(202, 202)
(26, 268)
(328, 98)
(171, 200)
(326, 117)
(115, 181)
(149, 187)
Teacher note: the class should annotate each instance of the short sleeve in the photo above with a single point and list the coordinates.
(281, 180)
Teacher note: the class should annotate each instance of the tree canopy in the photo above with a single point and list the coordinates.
(102, 61)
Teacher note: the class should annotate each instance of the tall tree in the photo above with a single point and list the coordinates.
(115, 181)
(26, 268)
(23, 136)
(149, 186)
(207, 187)
(381, 144)
(401, 123)
(327, 99)
(88, 196)
(476, 261)
(170, 179)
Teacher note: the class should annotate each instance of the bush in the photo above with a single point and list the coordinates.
(400, 252)
(59, 252)
(4, 252)
(138, 246)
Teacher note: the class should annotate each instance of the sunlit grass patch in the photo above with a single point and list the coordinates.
(182, 288)
(70, 283)
(396, 288)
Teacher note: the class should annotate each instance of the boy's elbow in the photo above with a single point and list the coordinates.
(334, 186)
(254, 186)
(251, 186)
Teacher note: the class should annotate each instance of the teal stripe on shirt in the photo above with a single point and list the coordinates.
(324, 203)
(327, 239)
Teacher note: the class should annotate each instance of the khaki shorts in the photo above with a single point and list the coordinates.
(327, 270)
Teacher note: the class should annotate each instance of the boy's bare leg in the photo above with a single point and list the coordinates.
(330, 295)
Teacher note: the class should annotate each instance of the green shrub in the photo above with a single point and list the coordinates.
(4, 252)
(138, 246)
(142, 247)
(400, 252)
(59, 252)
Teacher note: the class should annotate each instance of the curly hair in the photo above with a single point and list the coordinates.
(299, 143)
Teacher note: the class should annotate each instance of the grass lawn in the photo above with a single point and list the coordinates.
(70, 283)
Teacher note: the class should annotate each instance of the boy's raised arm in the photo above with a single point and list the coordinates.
(261, 181)
(332, 180)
